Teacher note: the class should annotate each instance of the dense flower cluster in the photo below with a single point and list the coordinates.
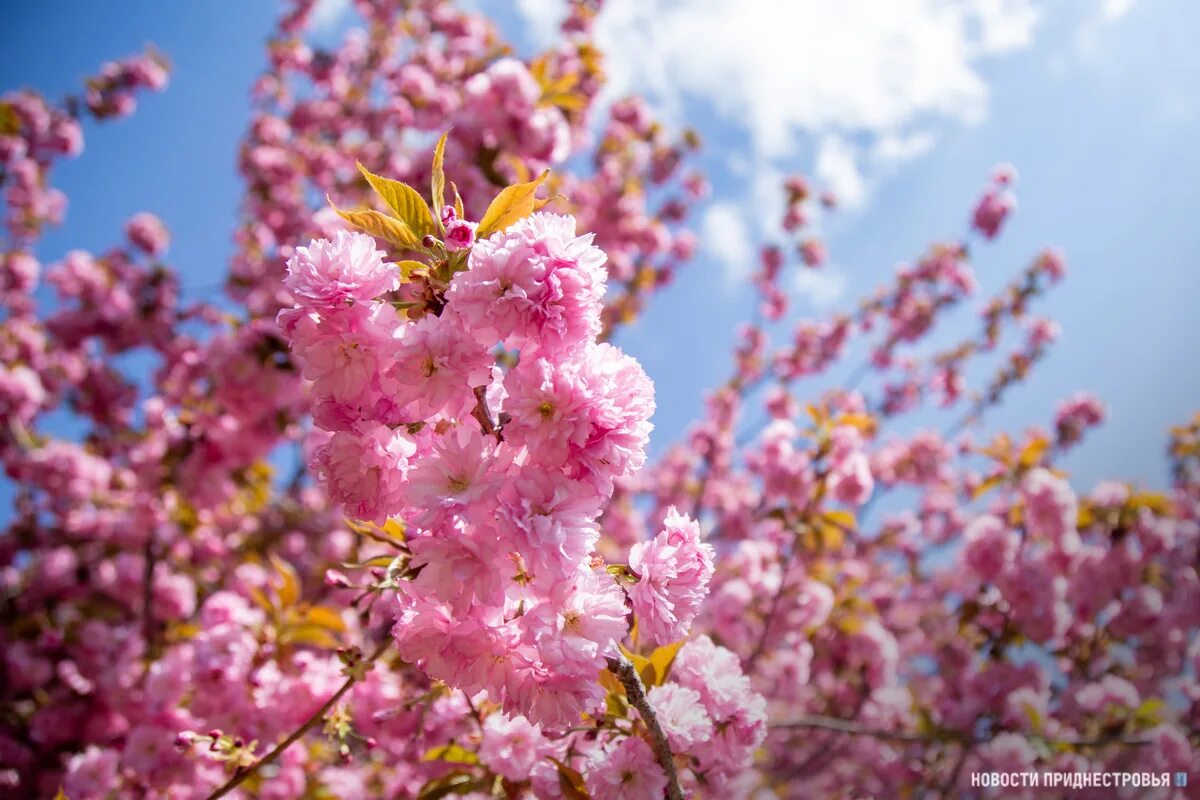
(499, 475)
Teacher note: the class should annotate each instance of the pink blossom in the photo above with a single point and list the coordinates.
(994, 207)
(550, 521)
(1050, 509)
(813, 252)
(511, 747)
(365, 469)
(673, 574)
(682, 716)
(345, 270)
(989, 547)
(535, 286)
(344, 354)
(148, 234)
(625, 770)
(436, 366)
(850, 479)
(463, 468)
(460, 234)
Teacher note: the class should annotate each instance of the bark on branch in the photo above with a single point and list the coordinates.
(821, 722)
(623, 668)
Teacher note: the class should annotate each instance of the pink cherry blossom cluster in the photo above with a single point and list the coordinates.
(499, 475)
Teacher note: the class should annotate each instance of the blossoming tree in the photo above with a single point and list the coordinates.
(474, 584)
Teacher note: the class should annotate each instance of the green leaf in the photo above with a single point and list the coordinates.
(451, 753)
(439, 178)
(381, 226)
(512, 205)
(404, 201)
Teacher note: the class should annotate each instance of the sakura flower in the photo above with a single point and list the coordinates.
(460, 234)
(463, 469)
(674, 570)
(436, 367)
(1051, 509)
(626, 770)
(345, 270)
(148, 234)
(365, 469)
(535, 286)
(682, 716)
(511, 747)
(990, 547)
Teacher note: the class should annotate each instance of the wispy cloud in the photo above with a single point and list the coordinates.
(327, 14)
(1112, 10)
(782, 69)
(821, 287)
(726, 236)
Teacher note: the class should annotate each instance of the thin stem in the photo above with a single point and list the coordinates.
(761, 645)
(636, 694)
(316, 717)
(149, 629)
(855, 729)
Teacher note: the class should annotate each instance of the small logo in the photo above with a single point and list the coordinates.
(1181, 779)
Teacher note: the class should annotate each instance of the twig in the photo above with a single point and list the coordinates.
(636, 694)
(761, 645)
(847, 726)
(856, 729)
(482, 413)
(317, 716)
(149, 629)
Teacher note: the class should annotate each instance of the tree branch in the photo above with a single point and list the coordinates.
(636, 693)
(316, 717)
(856, 729)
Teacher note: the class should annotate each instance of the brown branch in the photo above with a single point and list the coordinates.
(636, 694)
(241, 775)
(482, 413)
(848, 726)
(149, 629)
(855, 729)
(761, 645)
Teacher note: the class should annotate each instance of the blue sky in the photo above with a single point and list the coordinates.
(1094, 101)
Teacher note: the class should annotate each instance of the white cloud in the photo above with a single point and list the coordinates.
(780, 69)
(837, 168)
(1113, 10)
(822, 287)
(544, 18)
(727, 237)
(327, 14)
